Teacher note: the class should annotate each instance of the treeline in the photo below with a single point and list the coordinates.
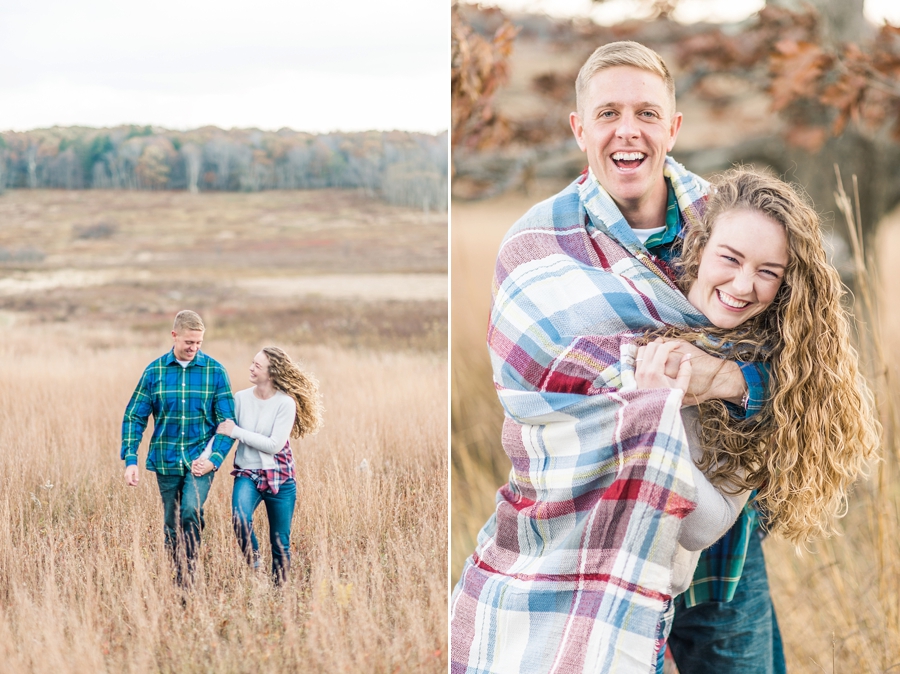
(403, 168)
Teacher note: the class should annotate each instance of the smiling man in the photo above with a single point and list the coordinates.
(556, 585)
(188, 394)
(626, 123)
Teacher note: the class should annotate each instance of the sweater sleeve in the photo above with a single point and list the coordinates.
(716, 511)
(281, 430)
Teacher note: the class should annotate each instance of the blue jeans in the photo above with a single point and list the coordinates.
(736, 637)
(279, 507)
(183, 497)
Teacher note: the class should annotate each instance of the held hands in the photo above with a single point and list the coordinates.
(200, 467)
(651, 366)
(225, 427)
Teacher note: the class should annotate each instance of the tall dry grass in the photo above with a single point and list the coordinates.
(838, 603)
(85, 583)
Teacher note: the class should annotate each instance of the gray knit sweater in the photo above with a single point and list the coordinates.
(716, 511)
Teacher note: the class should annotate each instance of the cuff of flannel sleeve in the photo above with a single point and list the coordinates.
(131, 460)
(756, 378)
(221, 447)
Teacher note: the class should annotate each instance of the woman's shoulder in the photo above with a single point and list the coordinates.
(280, 399)
(283, 398)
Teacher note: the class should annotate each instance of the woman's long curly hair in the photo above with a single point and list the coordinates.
(817, 429)
(288, 378)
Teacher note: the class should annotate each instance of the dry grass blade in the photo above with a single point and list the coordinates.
(849, 585)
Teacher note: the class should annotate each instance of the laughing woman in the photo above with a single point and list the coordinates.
(282, 403)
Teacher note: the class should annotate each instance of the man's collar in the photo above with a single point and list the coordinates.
(673, 220)
(199, 359)
(688, 189)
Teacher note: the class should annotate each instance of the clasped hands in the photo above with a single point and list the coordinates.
(200, 467)
(677, 364)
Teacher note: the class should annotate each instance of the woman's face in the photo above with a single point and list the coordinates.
(741, 269)
(259, 369)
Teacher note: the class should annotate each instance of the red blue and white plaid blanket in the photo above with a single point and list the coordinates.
(572, 573)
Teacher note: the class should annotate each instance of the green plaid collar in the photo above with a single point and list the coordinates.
(199, 359)
(673, 221)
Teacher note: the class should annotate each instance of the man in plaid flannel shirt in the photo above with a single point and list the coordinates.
(626, 124)
(188, 394)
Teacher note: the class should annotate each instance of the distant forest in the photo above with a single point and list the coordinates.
(402, 168)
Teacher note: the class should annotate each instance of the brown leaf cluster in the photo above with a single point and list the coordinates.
(478, 67)
(716, 51)
(797, 69)
(817, 88)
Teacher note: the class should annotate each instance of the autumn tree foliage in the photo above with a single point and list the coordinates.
(830, 80)
(478, 67)
(818, 87)
(403, 168)
(838, 100)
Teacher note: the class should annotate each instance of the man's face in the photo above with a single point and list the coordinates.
(187, 343)
(626, 125)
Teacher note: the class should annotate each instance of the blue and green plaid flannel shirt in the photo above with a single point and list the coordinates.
(720, 566)
(187, 403)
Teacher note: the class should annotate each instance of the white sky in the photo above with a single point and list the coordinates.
(614, 11)
(312, 65)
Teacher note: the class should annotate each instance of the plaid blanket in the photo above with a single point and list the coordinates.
(572, 573)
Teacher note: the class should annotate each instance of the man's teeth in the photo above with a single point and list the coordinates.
(731, 301)
(628, 156)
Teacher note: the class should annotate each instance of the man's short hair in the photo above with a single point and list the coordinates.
(624, 53)
(188, 320)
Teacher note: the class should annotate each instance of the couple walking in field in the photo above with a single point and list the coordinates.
(197, 419)
(677, 378)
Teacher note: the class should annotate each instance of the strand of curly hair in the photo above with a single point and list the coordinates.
(303, 387)
(817, 430)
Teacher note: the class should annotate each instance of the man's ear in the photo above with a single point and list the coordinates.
(674, 129)
(577, 129)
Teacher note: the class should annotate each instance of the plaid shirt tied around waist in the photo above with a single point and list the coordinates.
(271, 479)
(187, 404)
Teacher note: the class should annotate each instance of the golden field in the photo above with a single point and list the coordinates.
(838, 603)
(85, 582)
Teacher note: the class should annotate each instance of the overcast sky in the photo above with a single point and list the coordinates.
(313, 66)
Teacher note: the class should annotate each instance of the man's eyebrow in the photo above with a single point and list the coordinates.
(738, 253)
(639, 104)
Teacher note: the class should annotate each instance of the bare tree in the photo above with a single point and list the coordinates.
(193, 160)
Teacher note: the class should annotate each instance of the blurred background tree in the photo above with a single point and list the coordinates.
(247, 160)
(798, 86)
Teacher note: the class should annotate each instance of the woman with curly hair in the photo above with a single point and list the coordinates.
(282, 403)
(755, 267)
(816, 429)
